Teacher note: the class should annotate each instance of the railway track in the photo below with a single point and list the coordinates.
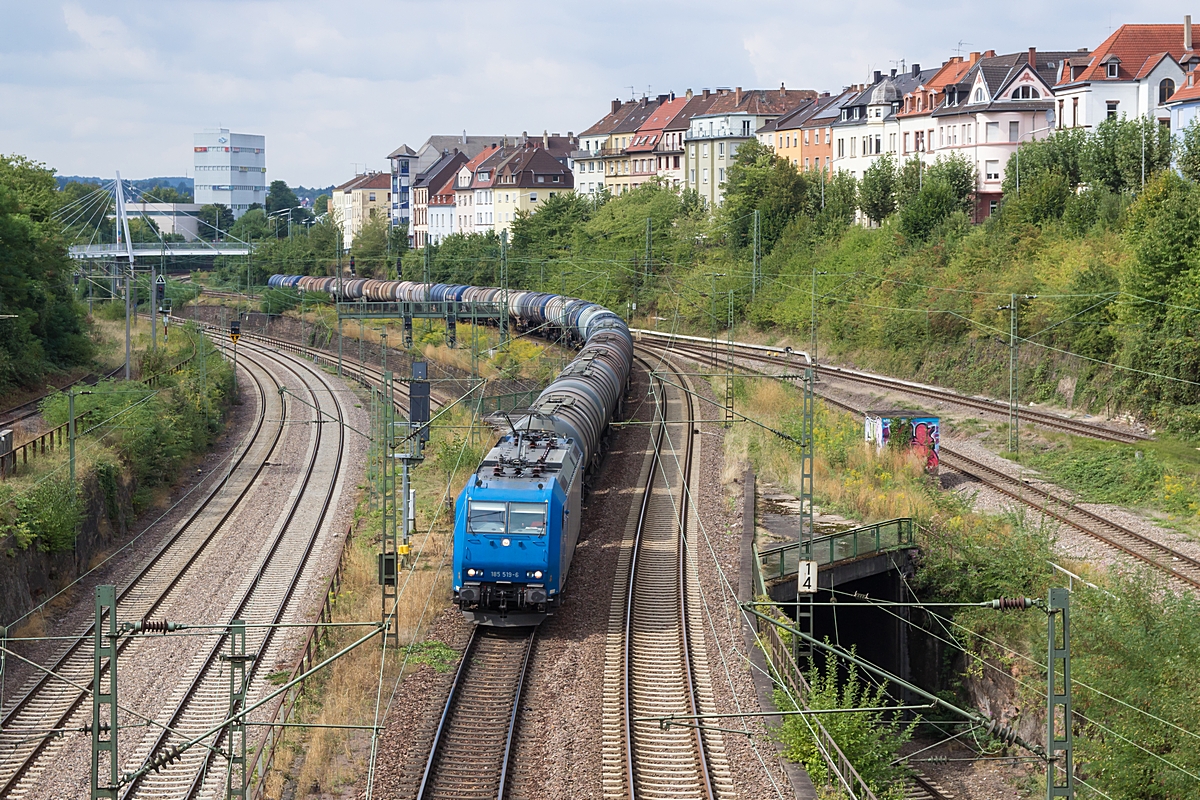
(202, 536)
(47, 704)
(778, 357)
(655, 663)
(266, 597)
(1176, 565)
(23, 411)
(469, 758)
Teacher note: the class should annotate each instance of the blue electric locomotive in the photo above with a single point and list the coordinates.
(518, 518)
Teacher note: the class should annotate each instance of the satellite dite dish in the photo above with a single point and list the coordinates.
(222, 140)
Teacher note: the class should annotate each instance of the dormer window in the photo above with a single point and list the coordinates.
(1165, 89)
(1110, 69)
(1025, 93)
(979, 95)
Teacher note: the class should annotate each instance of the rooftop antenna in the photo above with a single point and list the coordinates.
(632, 93)
(959, 50)
(899, 65)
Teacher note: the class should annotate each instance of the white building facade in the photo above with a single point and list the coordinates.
(231, 169)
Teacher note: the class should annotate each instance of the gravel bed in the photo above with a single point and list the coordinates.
(753, 760)
(976, 780)
(412, 720)
(558, 753)
(75, 611)
(151, 665)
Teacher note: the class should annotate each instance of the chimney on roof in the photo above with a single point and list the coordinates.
(1187, 31)
(989, 54)
(706, 92)
(916, 70)
(688, 94)
(545, 140)
(616, 105)
(974, 58)
(1033, 58)
(878, 76)
(782, 90)
(464, 136)
(737, 98)
(893, 72)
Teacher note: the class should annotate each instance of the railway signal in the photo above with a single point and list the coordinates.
(235, 333)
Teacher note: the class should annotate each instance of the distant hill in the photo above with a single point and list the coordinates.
(307, 196)
(178, 183)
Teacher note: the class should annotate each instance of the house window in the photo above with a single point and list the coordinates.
(806, 137)
(557, 179)
(704, 150)
(371, 196)
(1166, 88)
(993, 132)
(721, 149)
(1025, 93)
(1014, 130)
(841, 148)
(533, 197)
(1112, 108)
(992, 170)
(691, 176)
(906, 144)
(721, 175)
(541, 178)
(1074, 112)
(676, 163)
(992, 205)
(979, 95)
(1112, 67)
(745, 127)
(704, 175)
(1060, 112)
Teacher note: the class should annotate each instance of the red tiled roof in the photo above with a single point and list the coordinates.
(663, 115)
(1136, 46)
(760, 101)
(1186, 92)
(373, 180)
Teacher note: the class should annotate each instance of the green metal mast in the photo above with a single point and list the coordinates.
(757, 256)
(236, 777)
(804, 607)
(389, 558)
(729, 365)
(104, 695)
(1060, 772)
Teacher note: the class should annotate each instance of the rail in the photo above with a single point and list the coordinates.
(284, 711)
(831, 548)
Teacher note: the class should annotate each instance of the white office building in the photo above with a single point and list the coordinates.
(231, 169)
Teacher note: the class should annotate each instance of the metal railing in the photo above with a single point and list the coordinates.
(786, 674)
(784, 561)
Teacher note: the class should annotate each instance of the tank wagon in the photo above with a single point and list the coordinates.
(517, 520)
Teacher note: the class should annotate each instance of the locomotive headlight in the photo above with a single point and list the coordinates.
(537, 574)
(471, 573)
(505, 542)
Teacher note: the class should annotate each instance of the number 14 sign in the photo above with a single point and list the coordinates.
(807, 579)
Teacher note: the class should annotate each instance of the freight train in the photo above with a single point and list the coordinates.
(518, 518)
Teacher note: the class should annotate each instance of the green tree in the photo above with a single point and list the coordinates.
(1060, 153)
(877, 190)
(163, 193)
(215, 219)
(321, 204)
(47, 329)
(1122, 153)
(280, 197)
(758, 180)
(251, 226)
(370, 248)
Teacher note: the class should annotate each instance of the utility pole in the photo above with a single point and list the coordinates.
(339, 300)
(647, 269)
(389, 557)
(812, 330)
(236, 776)
(757, 255)
(729, 365)
(153, 308)
(1014, 435)
(104, 695)
(1060, 749)
(504, 288)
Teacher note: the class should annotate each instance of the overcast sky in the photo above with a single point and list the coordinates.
(91, 87)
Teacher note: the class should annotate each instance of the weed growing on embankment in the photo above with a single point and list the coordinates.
(346, 693)
(146, 432)
(1135, 645)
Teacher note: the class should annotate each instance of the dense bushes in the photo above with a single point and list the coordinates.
(47, 330)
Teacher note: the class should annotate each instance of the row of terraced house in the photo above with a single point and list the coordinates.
(981, 106)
